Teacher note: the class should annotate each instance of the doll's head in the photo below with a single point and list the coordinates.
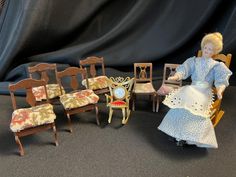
(211, 44)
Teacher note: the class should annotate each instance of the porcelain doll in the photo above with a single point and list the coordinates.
(188, 119)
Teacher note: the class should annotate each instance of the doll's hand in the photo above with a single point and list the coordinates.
(174, 78)
(220, 90)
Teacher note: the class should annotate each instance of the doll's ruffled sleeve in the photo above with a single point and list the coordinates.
(221, 75)
(186, 69)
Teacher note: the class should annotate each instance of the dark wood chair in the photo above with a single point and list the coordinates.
(97, 82)
(80, 99)
(143, 83)
(167, 85)
(216, 111)
(27, 121)
(47, 72)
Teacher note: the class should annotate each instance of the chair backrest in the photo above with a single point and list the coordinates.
(226, 59)
(27, 85)
(42, 69)
(92, 62)
(123, 84)
(142, 72)
(170, 70)
(72, 73)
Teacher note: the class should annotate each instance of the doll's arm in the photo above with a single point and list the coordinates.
(185, 70)
(177, 76)
(221, 74)
(220, 90)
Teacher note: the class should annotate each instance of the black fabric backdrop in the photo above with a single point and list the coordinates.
(123, 32)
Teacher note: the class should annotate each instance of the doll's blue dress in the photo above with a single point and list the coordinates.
(189, 116)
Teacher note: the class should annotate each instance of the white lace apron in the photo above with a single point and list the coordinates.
(196, 98)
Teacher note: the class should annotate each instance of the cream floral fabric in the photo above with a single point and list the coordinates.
(96, 83)
(78, 99)
(144, 88)
(53, 91)
(32, 117)
(165, 89)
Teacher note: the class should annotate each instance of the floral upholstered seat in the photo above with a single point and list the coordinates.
(78, 99)
(165, 90)
(53, 91)
(31, 117)
(99, 82)
(144, 88)
(143, 83)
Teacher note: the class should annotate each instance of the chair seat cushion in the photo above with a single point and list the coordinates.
(144, 88)
(79, 99)
(53, 91)
(32, 117)
(99, 82)
(118, 103)
(166, 89)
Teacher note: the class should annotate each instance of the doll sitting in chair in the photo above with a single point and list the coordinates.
(188, 120)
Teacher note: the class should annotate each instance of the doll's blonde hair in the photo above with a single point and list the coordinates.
(216, 39)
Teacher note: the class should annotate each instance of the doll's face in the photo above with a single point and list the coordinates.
(208, 50)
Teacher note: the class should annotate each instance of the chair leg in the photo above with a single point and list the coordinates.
(124, 115)
(17, 139)
(153, 103)
(69, 122)
(157, 103)
(127, 116)
(110, 115)
(218, 118)
(55, 134)
(150, 97)
(133, 102)
(97, 118)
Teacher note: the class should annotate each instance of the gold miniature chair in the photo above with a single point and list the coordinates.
(216, 112)
(167, 85)
(143, 83)
(42, 71)
(119, 97)
(27, 121)
(80, 99)
(98, 83)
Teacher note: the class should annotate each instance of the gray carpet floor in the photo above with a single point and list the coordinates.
(137, 149)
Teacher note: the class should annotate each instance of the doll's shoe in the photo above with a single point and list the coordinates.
(181, 143)
(172, 139)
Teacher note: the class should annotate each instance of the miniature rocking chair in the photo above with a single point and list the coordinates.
(119, 97)
(216, 112)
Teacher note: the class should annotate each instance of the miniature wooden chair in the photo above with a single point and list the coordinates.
(41, 71)
(97, 83)
(119, 97)
(167, 85)
(27, 121)
(79, 100)
(143, 83)
(216, 112)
